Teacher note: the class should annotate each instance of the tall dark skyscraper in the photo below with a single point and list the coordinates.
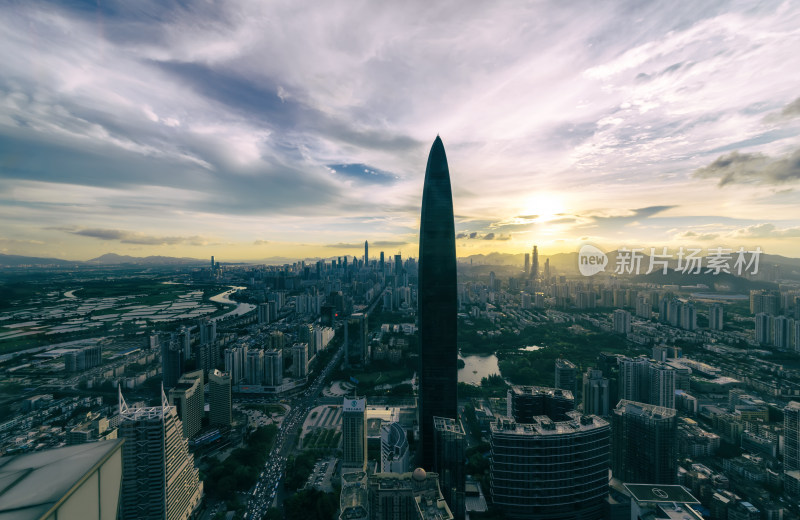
(437, 301)
(366, 253)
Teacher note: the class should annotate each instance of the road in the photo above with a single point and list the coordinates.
(263, 493)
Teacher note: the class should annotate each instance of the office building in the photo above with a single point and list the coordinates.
(662, 502)
(159, 480)
(83, 358)
(70, 483)
(187, 398)
(791, 431)
(405, 496)
(300, 360)
(535, 263)
(595, 393)
(566, 376)
(450, 462)
(356, 340)
(527, 267)
(366, 253)
(394, 449)
(551, 468)
(644, 443)
(219, 398)
(354, 433)
(438, 371)
(171, 361)
(523, 403)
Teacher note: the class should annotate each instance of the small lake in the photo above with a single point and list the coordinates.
(476, 368)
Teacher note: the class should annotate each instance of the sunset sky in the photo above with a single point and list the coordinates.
(253, 130)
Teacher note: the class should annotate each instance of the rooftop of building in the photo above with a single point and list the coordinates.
(543, 425)
(564, 363)
(644, 409)
(541, 390)
(34, 484)
(448, 424)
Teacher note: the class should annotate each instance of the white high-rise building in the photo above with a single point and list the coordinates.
(394, 449)
(715, 315)
(159, 480)
(622, 321)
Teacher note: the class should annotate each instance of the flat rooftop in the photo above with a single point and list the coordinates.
(31, 485)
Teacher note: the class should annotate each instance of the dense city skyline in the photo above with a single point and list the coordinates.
(277, 131)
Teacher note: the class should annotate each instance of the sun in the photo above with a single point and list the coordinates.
(547, 206)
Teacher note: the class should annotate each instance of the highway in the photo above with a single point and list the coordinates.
(263, 493)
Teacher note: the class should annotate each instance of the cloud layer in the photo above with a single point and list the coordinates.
(288, 126)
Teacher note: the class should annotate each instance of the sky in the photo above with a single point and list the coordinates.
(252, 130)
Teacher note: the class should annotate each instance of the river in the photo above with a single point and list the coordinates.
(241, 308)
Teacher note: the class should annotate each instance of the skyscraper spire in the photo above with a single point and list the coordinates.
(437, 301)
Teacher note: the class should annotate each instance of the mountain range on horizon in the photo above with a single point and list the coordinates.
(562, 262)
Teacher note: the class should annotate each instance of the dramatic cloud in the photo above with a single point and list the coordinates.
(360, 245)
(131, 237)
(766, 230)
(752, 168)
(229, 120)
(691, 235)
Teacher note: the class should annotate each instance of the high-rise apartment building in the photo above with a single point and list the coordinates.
(300, 360)
(437, 301)
(187, 398)
(566, 375)
(661, 380)
(595, 393)
(715, 315)
(791, 431)
(254, 372)
(644, 443)
(219, 405)
(354, 433)
(622, 321)
(159, 480)
(449, 446)
(273, 368)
